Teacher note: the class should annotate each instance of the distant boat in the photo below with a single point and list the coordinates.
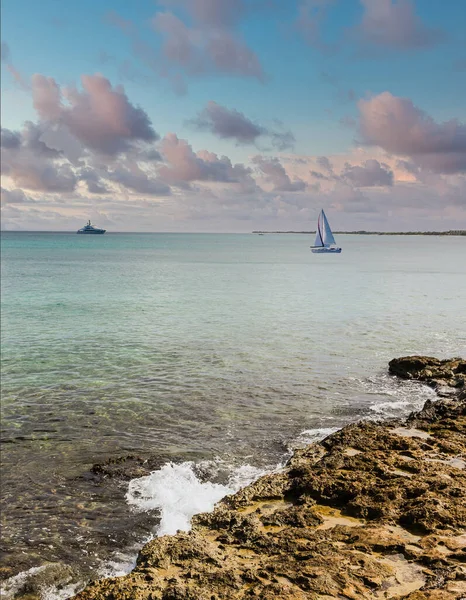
(90, 229)
(325, 242)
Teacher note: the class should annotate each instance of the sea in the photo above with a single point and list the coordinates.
(206, 357)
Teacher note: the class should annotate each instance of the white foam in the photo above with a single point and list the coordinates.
(404, 396)
(122, 561)
(11, 586)
(61, 593)
(393, 408)
(310, 436)
(179, 494)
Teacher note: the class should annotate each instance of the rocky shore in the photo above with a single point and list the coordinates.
(376, 510)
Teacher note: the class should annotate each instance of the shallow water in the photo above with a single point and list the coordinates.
(222, 350)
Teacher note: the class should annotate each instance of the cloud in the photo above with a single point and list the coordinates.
(394, 24)
(100, 117)
(212, 13)
(276, 175)
(6, 58)
(93, 181)
(385, 24)
(57, 138)
(405, 167)
(324, 163)
(200, 38)
(61, 152)
(398, 126)
(124, 24)
(32, 139)
(228, 123)
(34, 172)
(31, 164)
(204, 48)
(135, 179)
(16, 196)
(5, 53)
(10, 139)
(231, 124)
(371, 173)
(183, 165)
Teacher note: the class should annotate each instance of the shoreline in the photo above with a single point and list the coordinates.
(375, 510)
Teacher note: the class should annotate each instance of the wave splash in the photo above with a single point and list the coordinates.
(178, 492)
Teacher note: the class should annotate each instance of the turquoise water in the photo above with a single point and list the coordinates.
(199, 347)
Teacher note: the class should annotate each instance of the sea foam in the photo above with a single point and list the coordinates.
(178, 493)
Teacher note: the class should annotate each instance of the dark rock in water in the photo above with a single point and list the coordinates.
(439, 374)
(374, 511)
(126, 467)
(122, 467)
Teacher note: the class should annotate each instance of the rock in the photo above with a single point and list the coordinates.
(125, 467)
(376, 510)
(439, 374)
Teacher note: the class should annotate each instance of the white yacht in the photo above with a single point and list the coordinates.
(90, 229)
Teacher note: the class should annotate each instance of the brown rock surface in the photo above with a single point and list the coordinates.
(374, 511)
(433, 371)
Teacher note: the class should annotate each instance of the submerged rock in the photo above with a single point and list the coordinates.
(374, 511)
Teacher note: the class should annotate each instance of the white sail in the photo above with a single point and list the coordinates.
(326, 232)
(325, 242)
(319, 241)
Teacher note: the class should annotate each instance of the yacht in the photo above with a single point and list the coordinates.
(90, 229)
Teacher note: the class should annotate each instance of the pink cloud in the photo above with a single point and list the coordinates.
(101, 117)
(394, 24)
(370, 173)
(276, 174)
(203, 49)
(31, 164)
(398, 126)
(388, 24)
(183, 165)
(229, 123)
(212, 13)
(200, 39)
(36, 172)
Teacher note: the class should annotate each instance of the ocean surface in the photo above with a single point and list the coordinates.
(210, 356)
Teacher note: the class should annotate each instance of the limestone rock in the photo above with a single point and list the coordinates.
(374, 511)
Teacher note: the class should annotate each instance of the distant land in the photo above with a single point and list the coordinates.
(451, 232)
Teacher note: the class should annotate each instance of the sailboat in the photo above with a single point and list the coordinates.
(325, 242)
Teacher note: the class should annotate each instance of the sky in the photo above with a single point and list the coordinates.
(233, 115)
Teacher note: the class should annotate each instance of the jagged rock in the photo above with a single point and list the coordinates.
(439, 374)
(376, 510)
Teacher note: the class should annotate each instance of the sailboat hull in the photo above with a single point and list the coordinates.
(326, 250)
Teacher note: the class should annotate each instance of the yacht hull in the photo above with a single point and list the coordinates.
(325, 250)
(100, 232)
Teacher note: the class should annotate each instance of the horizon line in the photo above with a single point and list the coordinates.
(257, 231)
